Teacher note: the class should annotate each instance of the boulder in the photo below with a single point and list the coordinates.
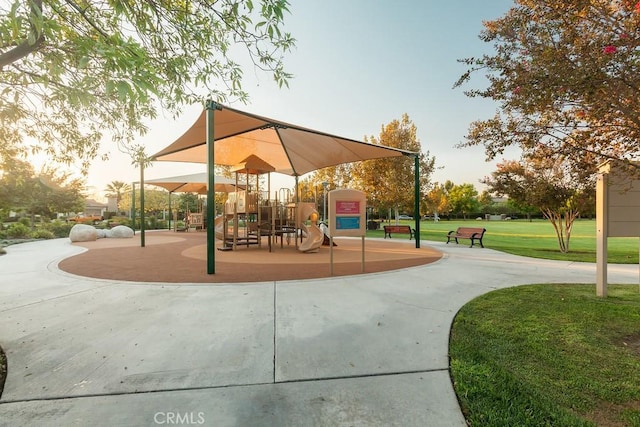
(121, 232)
(101, 233)
(83, 233)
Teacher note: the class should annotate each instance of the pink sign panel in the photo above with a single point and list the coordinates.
(347, 207)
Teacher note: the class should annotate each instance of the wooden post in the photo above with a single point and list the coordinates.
(602, 217)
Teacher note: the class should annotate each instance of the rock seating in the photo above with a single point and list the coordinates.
(83, 233)
(88, 233)
(121, 232)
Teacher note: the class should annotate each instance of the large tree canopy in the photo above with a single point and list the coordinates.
(388, 182)
(463, 199)
(566, 75)
(45, 193)
(71, 71)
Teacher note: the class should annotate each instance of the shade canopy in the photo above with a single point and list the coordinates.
(253, 165)
(289, 149)
(194, 183)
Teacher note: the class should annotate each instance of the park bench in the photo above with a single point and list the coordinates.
(467, 233)
(402, 229)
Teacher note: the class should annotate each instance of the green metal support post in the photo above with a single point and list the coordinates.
(211, 196)
(416, 203)
(170, 216)
(142, 220)
(133, 207)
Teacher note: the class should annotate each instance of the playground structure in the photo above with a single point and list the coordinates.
(255, 214)
(251, 214)
(193, 218)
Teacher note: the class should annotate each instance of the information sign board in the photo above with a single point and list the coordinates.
(347, 213)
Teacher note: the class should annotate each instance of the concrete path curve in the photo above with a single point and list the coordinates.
(366, 350)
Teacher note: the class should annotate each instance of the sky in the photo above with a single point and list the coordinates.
(358, 65)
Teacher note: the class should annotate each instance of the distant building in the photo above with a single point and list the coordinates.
(112, 204)
(94, 208)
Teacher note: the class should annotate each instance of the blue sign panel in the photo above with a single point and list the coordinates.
(347, 222)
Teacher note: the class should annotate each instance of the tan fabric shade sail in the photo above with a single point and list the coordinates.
(194, 183)
(289, 149)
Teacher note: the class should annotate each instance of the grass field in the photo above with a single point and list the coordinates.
(533, 239)
(549, 355)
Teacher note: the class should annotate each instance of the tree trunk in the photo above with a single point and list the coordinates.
(562, 223)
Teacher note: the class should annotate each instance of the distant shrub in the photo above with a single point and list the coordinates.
(58, 228)
(120, 220)
(3, 234)
(18, 230)
(41, 233)
(152, 222)
(102, 225)
(25, 221)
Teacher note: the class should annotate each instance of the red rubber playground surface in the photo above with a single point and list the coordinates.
(181, 257)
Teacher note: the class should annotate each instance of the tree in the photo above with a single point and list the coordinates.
(548, 184)
(327, 179)
(389, 182)
(154, 200)
(437, 200)
(188, 202)
(463, 199)
(522, 208)
(117, 189)
(485, 202)
(71, 72)
(307, 190)
(45, 193)
(338, 176)
(567, 76)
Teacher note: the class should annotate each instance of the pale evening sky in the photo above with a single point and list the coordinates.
(358, 65)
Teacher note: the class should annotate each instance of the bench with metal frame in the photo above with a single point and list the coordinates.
(399, 229)
(474, 234)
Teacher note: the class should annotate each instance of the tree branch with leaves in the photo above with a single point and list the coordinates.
(567, 77)
(73, 72)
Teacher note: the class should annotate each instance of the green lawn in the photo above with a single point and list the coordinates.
(535, 239)
(549, 355)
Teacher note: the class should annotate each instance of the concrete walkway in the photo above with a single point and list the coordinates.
(366, 350)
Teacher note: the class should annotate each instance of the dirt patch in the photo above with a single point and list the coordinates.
(607, 414)
(632, 342)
